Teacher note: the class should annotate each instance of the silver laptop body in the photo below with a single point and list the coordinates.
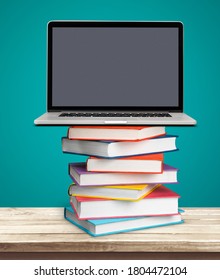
(122, 73)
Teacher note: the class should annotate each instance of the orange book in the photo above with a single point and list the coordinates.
(152, 163)
(117, 133)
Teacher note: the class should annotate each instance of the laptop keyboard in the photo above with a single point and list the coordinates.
(110, 114)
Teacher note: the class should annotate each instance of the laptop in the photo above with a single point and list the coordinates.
(115, 73)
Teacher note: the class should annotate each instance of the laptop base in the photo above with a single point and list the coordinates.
(53, 118)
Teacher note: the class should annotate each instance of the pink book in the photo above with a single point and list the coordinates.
(162, 201)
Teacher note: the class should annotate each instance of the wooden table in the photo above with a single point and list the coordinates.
(42, 233)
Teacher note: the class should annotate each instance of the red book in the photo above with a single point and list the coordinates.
(115, 132)
(162, 201)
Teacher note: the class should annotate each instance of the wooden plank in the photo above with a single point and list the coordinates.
(201, 211)
(121, 243)
(42, 213)
(46, 227)
(17, 214)
(62, 226)
(123, 237)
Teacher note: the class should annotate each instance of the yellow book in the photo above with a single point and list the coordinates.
(120, 192)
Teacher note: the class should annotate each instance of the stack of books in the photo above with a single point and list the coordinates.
(120, 186)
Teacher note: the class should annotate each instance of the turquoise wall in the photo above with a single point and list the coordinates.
(33, 168)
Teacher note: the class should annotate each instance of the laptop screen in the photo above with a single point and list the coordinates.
(115, 65)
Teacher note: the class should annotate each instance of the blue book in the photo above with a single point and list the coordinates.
(117, 149)
(100, 227)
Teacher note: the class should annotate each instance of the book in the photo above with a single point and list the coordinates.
(162, 201)
(142, 164)
(130, 192)
(101, 227)
(82, 177)
(115, 132)
(110, 149)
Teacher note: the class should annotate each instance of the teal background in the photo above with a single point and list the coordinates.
(33, 168)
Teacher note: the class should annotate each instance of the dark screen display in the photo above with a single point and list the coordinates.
(116, 67)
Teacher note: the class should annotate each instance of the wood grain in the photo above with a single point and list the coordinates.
(45, 230)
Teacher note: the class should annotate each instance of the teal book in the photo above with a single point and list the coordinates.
(100, 227)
